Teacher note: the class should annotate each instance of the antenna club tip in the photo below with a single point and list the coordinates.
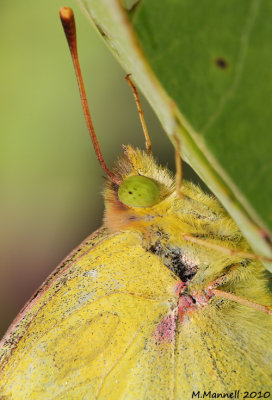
(66, 13)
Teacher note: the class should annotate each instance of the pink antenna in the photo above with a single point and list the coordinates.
(68, 23)
(141, 115)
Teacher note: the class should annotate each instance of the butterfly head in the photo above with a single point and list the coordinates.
(144, 187)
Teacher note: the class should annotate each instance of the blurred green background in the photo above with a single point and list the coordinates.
(51, 182)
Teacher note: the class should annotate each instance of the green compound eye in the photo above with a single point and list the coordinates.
(138, 191)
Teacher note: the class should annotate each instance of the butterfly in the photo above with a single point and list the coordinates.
(164, 301)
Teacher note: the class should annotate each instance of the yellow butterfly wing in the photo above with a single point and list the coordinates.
(92, 318)
(223, 351)
(104, 326)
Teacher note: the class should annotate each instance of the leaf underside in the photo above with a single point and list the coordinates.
(205, 69)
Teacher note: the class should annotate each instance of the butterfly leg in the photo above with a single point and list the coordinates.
(225, 250)
(222, 280)
(212, 290)
(178, 162)
(241, 300)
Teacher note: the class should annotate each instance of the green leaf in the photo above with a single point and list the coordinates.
(205, 67)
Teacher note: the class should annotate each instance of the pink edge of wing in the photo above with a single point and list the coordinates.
(58, 271)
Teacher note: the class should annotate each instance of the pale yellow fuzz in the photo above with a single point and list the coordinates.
(108, 323)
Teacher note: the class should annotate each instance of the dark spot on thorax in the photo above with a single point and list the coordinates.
(173, 259)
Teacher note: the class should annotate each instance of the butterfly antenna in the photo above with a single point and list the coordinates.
(68, 23)
(141, 115)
